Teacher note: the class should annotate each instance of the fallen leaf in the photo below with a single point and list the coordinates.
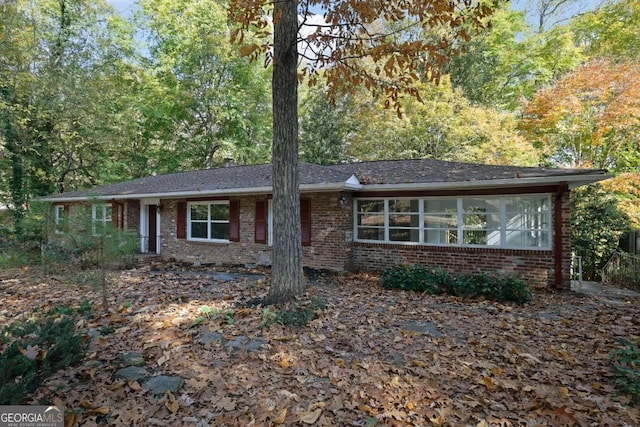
(134, 385)
(171, 403)
(309, 417)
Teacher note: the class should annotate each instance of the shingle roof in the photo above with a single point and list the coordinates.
(258, 178)
(430, 170)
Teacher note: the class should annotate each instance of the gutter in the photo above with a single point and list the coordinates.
(573, 181)
(352, 184)
(349, 185)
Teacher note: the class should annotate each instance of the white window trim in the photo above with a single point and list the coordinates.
(58, 218)
(209, 221)
(100, 218)
(460, 226)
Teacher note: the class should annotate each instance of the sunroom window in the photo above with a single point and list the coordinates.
(521, 222)
(208, 221)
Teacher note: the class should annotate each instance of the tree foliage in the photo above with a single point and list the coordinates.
(443, 125)
(508, 61)
(613, 31)
(597, 224)
(205, 103)
(590, 117)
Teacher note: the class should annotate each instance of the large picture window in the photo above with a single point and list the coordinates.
(521, 222)
(208, 221)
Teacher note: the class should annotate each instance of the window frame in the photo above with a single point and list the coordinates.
(103, 219)
(543, 213)
(59, 219)
(209, 221)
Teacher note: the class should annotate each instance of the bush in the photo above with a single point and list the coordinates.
(38, 348)
(433, 281)
(626, 368)
(416, 278)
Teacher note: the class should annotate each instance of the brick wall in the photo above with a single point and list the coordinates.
(329, 220)
(132, 215)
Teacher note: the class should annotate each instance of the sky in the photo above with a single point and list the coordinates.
(124, 7)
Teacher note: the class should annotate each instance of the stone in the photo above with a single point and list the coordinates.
(133, 359)
(424, 327)
(163, 383)
(243, 343)
(135, 373)
(209, 337)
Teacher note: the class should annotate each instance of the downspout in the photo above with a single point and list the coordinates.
(557, 233)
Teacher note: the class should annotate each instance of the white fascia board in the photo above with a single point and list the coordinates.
(351, 184)
(573, 181)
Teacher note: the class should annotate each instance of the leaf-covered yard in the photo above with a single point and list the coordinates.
(370, 357)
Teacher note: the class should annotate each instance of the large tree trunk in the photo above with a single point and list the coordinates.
(287, 277)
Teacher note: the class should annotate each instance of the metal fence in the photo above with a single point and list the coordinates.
(622, 269)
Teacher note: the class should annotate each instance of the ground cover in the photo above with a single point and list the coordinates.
(183, 346)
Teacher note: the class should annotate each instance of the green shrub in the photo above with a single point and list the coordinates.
(514, 289)
(416, 278)
(38, 348)
(626, 368)
(433, 281)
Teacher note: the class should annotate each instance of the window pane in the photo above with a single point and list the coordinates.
(527, 204)
(220, 231)
(371, 220)
(404, 235)
(371, 206)
(220, 212)
(528, 239)
(199, 230)
(404, 220)
(108, 211)
(527, 221)
(441, 205)
(199, 212)
(481, 237)
(403, 205)
(446, 237)
(441, 221)
(365, 233)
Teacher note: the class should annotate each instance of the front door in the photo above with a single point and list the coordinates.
(152, 231)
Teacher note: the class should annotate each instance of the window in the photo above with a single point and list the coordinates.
(527, 221)
(59, 219)
(441, 221)
(370, 217)
(101, 218)
(481, 221)
(208, 221)
(521, 222)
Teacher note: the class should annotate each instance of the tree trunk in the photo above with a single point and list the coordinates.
(16, 179)
(287, 277)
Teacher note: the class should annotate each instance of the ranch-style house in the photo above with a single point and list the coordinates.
(467, 218)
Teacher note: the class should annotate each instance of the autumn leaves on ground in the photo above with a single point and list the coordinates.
(369, 357)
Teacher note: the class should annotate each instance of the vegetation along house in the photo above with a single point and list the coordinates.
(462, 217)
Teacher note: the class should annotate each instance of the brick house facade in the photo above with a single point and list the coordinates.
(367, 216)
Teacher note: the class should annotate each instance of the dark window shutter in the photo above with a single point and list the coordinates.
(305, 221)
(181, 221)
(261, 221)
(234, 221)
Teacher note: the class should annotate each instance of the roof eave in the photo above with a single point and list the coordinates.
(351, 184)
(572, 180)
